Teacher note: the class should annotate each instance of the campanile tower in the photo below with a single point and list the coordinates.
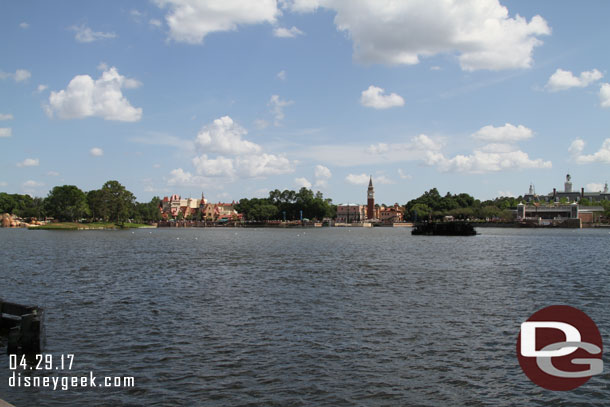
(370, 195)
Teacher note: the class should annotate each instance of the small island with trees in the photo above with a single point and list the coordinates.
(110, 207)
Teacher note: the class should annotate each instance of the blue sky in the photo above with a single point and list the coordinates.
(233, 98)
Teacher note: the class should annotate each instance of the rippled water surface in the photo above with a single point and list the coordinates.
(301, 317)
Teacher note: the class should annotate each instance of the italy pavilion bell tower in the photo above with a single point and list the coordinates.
(370, 204)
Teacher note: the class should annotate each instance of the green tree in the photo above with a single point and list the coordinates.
(98, 204)
(66, 203)
(154, 210)
(33, 209)
(488, 212)
(314, 206)
(8, 203)
(420, 211)
(257, 208)
(460, 206)
(149, 211)
(21, 205)
(462, 213)
(118, 200)
(263, 211)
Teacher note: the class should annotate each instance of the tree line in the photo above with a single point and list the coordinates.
(287, 205)
(431, 205)
(68, 203)
(114, 203)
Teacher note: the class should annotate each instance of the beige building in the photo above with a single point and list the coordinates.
(350, 213)
(221, 212)
(175, 205)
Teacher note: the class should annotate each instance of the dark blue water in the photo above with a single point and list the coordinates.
(307, 317)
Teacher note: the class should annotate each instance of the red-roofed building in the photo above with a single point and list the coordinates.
(178, 207)
(391, 214)
(175, 205)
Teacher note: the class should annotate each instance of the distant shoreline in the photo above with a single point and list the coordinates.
(279, 225)
(88, 226)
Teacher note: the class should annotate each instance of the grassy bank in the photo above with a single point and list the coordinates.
(88, 226)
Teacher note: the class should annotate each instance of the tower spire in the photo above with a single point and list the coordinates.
(370, 195)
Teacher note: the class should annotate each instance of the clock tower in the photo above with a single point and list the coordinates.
(370, 195)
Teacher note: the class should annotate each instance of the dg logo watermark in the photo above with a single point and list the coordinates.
(560, 348)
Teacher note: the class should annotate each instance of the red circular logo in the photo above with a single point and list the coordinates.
(560, 348)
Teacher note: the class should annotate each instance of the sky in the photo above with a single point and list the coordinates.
(234, 98)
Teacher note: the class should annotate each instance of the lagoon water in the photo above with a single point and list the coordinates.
(301, 317)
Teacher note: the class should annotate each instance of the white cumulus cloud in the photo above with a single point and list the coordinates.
(6, 132)
(29, 162)
(85, 34)
(499, 154)
(322, 172)
(600, 156)
(357, 179)
(103, 97)
(246, 166)
(224, 136)
(424, 142)
(263, 165)
(562, 80)
(179, 177)
(374, 97)
(481, 161)
(604, 95)
(214, 167)
(505, 134)
(282, 32)
(6, 116)
(490, 157)
(281, 75)
(96, 152)
(302, 182)
(322, 175)
(235, 157)
(576, 147)
(191, 20)
(481, 32)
